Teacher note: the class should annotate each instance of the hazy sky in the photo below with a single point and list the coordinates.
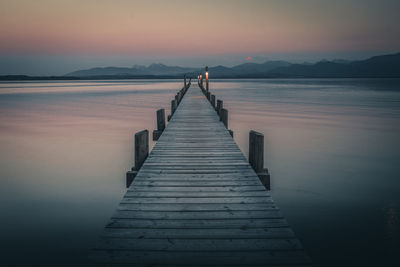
(52, 37)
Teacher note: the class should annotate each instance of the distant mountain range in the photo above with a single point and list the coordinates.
(378, 66)
(137, 70)
(385, 66)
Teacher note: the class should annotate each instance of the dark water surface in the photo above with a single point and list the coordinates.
(331, 145)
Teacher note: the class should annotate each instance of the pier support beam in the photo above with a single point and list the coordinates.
(220, 105)
(213, 101)
(141, 153)
(256, 157)
(174, 105)
(223, 116)
(160, 124)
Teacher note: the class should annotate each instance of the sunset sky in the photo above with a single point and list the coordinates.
(47, 37)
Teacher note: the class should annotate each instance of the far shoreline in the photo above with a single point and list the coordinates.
(154, 77)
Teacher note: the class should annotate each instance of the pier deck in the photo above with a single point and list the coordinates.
(197, 201)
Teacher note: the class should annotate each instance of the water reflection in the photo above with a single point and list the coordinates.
(331, 146)
(393, 224)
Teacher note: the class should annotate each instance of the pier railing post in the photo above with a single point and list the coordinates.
(141, 153)
(220, 105)
(208, 95)
(223, 116)
(256, 157)
(141, 148)
(213, 101)
(173, 108)
(160, 124)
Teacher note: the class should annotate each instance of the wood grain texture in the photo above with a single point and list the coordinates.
(196, 201)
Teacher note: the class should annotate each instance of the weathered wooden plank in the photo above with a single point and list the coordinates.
(203, 176)
(214, 258)
(251, 233)
(185, 245)
(197, 224)
(197, 201)
(194, 194)
(237, 200)
(196, 207)
(273, 212)
(175, 178)
(197, 189)
(234, 172)
(195, 183)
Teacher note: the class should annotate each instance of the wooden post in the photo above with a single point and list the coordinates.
(220, 105)
(256, 151)
(256, 157)
(184, 80)
(223, 116)
(174, 105)
(161, 119)
(141, 153)
(208, 96)
(141, 148)
(160, 124)
(177, 98)
(213, 101)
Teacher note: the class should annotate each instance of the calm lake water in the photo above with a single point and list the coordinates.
(332, 147)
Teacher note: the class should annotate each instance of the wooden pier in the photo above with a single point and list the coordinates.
(197, 201)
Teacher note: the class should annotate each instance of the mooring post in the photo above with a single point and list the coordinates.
(160, 124)
(213, 101)
(208, 94)
(184, 80)
(223, 116)
(220, 105)
(141, 153)
(174, 105)
(173, 108)
(256, 157)
(177, 98)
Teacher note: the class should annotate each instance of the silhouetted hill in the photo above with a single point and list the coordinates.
(375, 67)
(153, 69)
(252, 68)
(246, 69)
(386, 66)
(379, 66)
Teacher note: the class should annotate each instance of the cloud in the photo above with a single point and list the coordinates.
(249, 58)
